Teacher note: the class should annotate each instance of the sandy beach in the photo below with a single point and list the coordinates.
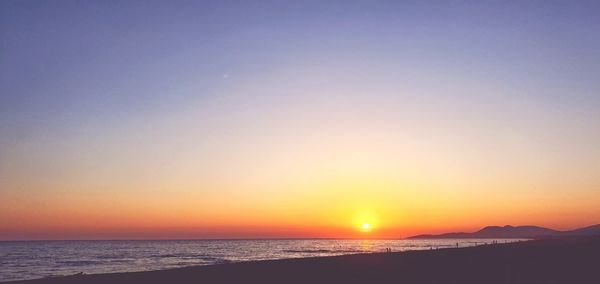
(540, 261)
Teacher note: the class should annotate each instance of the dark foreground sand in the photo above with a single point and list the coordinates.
(544, 261)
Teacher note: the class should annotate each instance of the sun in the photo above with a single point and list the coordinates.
(365, 227)
(365, 221)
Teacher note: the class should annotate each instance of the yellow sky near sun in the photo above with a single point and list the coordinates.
(312, 204)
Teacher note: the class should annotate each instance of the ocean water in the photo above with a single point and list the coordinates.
(38, 259)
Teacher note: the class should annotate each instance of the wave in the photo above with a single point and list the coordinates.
(79, 262)
(321, 251)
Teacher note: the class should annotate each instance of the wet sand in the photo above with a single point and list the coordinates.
(541, 261)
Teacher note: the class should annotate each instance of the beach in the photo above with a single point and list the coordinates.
(538, 261)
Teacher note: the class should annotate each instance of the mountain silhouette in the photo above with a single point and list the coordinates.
(527, 232)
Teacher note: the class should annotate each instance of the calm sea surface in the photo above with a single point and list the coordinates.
(37, 259)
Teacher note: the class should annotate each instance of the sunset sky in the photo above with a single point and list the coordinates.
(221, 119)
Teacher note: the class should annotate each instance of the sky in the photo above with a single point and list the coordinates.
(253, 119)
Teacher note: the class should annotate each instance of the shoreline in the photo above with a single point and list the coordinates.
(534, 261)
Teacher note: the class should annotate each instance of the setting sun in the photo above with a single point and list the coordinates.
(366, 220)
(365, 226)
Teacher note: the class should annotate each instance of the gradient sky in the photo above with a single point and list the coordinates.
(221, 119)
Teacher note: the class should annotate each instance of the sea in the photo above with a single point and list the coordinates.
(20, 260)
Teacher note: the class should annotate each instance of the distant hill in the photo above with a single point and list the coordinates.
(507, 232)
(586, 231)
